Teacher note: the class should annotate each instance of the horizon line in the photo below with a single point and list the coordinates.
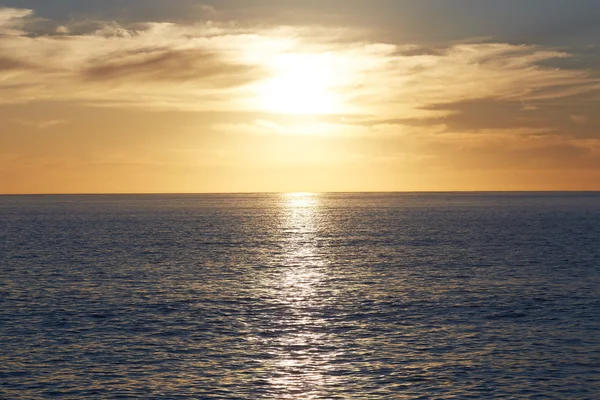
(299, 192)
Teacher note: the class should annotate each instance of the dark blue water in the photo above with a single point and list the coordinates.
(363, 296)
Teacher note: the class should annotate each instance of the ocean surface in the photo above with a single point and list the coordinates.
(300, 296)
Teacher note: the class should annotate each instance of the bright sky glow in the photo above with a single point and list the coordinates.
(302, 84)
(231, 95)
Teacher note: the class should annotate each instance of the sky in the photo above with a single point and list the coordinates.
(188, 96)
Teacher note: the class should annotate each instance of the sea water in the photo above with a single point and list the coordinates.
(300, 296)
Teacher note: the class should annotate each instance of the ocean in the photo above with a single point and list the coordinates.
(300, 296)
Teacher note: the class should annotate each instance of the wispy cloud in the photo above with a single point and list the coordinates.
(219, 66)
(43, 124)
(12, 20)
(580, 119)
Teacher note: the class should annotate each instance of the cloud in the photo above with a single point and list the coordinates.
(149, 65)
(482, 71)
(41, 125)
(12, 20)
(223, 66)
(13, 16)
(9, 63)
(171, 65)
(61, 29)
(580, 119)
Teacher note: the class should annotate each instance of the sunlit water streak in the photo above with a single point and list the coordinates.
(300, 296)
(298, 365)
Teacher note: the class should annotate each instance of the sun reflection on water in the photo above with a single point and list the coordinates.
(300, 363)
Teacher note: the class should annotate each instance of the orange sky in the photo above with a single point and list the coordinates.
(227, 103)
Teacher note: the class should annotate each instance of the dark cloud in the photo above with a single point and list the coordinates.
(507, 115)
(416, 50)
(169, 65)
(570, 117)
(10, 64)
(490, 114)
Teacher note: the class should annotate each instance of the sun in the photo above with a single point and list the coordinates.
(301, 83)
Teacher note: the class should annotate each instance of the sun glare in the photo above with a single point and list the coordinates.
(301, 84)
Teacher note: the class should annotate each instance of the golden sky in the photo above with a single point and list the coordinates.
(232, 96)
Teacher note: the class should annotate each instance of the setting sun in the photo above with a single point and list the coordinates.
(301, 84)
